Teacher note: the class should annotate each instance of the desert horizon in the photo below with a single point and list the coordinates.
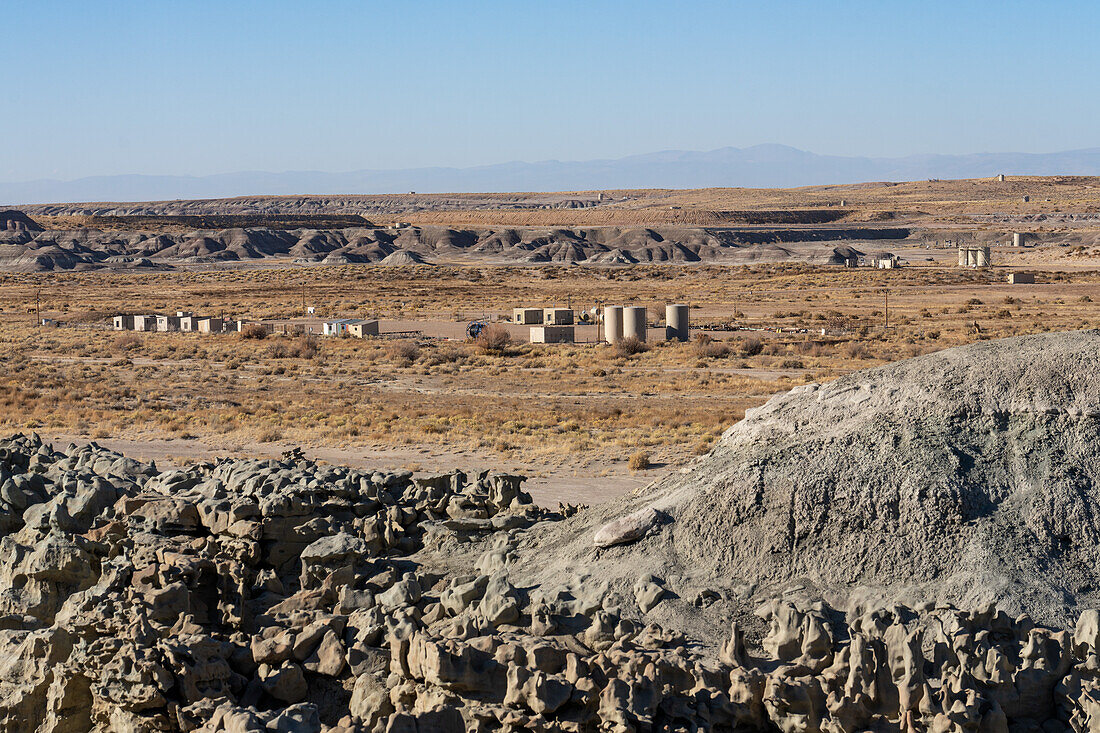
(569, 368)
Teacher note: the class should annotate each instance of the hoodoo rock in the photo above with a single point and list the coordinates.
(831, 566)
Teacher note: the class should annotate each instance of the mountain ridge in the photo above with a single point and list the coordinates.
(760, 166)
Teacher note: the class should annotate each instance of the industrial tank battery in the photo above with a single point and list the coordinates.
(634, 322)
(676, 322)
(613, 324)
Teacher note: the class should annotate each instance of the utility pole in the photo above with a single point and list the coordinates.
(37, 309)
(886, 311)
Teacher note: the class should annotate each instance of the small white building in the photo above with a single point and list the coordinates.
(145, 323)
(124, 323)
(886, 261)
(189, 323)
(557, 316)
(210, 325)
(168, 323)
(527, 316)
(551, 334)
(363, 328)
(1021, 278)
(338, 326)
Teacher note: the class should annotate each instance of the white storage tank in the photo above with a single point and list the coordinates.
(613, 324)
(634, 322)
(676, 322)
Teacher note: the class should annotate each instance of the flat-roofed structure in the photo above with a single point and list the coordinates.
(168, 323)
(527, 316)
(363, 328)
(338, 326)
(557, 316)
(552, 334)
(210, 325)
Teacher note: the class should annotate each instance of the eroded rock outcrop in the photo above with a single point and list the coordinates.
(284, 595)
(288, 596)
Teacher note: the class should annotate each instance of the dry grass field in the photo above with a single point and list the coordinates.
(968, 203)
(572, 416)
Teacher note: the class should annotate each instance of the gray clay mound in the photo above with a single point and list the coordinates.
(967, 476)
(402, 257)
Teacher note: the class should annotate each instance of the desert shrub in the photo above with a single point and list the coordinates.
(306, 347)
(270, 435)
(630, 346)
(712, 349)
(811, 348)
(493, 339)
(444, 355)
(639, 461)
(792, 364)
(701, 448)
(278, 351)
(858, 351)
(404, 350)
(254, 331)
(751, 346)
(128, 341)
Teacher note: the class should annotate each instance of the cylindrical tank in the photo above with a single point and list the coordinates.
(1017, 239)
(983, 257)
(634, 322)
(613, 323)
(676, 322)
(962, 257)
(971, 258)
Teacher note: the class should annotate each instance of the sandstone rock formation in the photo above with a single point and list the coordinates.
(25, 249)
(284, 595)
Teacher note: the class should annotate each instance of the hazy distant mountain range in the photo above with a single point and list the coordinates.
(760, 166)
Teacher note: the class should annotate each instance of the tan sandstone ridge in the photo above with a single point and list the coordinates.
(911, 548)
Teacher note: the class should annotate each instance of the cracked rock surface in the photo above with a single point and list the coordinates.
(911, 548)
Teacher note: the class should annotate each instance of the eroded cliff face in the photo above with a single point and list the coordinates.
(758, 590)
(30, 250)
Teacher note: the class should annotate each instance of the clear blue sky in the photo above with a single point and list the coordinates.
(201, 87)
